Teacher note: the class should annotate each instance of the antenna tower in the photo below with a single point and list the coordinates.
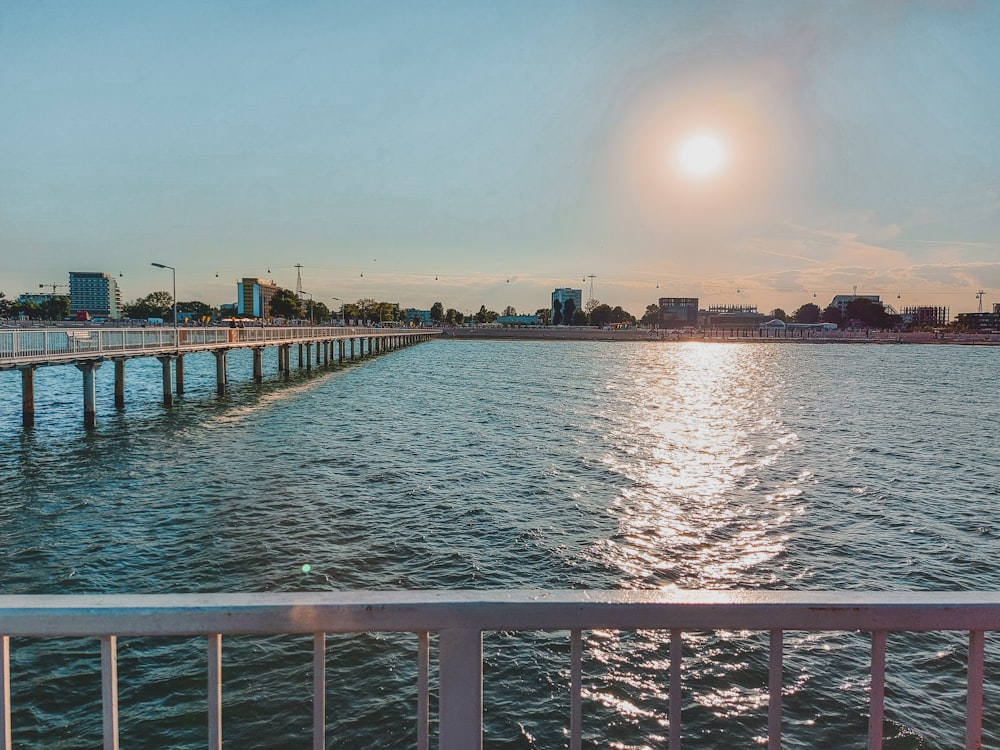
(980, 294)
(591, 277)
(298, 280)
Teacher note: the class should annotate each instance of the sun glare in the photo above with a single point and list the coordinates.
(701, 155)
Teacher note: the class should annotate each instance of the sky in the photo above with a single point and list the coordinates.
(487, 153)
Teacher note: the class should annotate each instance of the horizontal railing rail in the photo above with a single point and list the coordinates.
(55, 345)
(459, 618)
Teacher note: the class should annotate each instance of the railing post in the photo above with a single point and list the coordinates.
(974, 691)
(775, 680)
(575, 690)
(109, 690)
(461, 690)
(215, 692)
(5, 741)
(674, 699)
(319, 691)
(876, 710)
(423, 690)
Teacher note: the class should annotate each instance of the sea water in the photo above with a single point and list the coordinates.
(503, 465)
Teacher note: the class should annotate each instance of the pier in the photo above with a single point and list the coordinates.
(27, 349)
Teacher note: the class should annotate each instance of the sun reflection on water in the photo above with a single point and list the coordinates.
(699, 436)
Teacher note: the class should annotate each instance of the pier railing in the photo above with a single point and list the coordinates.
(459, 618)
(18, 345)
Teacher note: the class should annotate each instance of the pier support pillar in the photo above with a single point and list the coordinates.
(179, 372)
(119, 384)
(309, 355)
(285, 359)
(352, 349)
(220, 370)
(340, 351)
(28, 397)
(300, 356)
(89, 392)
(258, 364)
(168, 395)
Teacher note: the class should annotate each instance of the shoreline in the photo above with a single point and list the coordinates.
(555, 333)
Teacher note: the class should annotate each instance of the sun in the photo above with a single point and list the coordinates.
(701, 155)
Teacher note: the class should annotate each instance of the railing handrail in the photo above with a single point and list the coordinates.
(460, 618)
(21, 346)
(415, 611)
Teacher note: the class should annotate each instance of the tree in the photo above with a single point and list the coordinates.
(285, 304)
(779, 314)
(618, 315)
(569, 312)
(557, 312)
(651, 317)
(437, 312)
(600, 315)
(198, 310)
(510, 310)
(579, 318)
(5, 306)
(870, 314)
(543, 314)
(453, 317)
(808, 313)
(154, 305)
(832, 314)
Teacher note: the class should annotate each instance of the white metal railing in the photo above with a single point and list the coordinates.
(461, 617)
(45, 345)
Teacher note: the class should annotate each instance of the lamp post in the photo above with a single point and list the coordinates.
(310, 305)
(174, 272)
(343, 321)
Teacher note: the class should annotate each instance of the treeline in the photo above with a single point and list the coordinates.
(55, 307)
(595, 313)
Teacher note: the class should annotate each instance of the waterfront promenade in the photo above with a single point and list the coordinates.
(26, 349)
(587, 333)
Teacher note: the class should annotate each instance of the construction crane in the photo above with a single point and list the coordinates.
(54, 286)
(980, 294)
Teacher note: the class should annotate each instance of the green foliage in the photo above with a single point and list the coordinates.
(437, 312)
(285, 304)
(808, 313)
(557, 313)
(652, 316)
(544, 315)
(154, 305)
(453, 317)
(779, 314)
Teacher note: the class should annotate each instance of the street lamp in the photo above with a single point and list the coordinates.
(174, 272)
(343, 320)
(310, 306)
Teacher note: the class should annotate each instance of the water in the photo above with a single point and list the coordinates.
(470, 464)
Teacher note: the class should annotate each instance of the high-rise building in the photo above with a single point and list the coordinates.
(95, 293)
(253, 297)
(569, 302)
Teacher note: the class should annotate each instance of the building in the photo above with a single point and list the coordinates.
(926, 317)
(569, 302)
(519, 320)
(982, 322)
(418, 317)
(95, 293)
(253, 297)
(843, 300)
(678, 312)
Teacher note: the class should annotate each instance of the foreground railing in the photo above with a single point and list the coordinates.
(461, 617)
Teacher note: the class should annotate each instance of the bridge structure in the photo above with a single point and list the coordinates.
(27, 349)
(458, 620)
